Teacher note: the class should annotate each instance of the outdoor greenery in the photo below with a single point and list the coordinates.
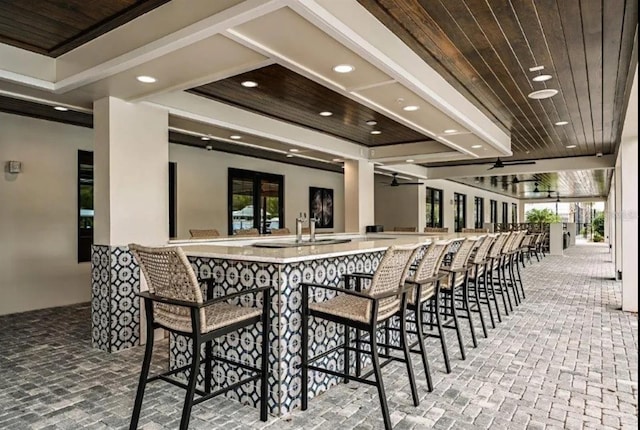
(598, 224)
(541, 216)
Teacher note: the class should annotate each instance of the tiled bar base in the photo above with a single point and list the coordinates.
(116, 318)
(115, 309)
(286, 337)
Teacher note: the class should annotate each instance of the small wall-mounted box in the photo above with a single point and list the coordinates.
(14, 166)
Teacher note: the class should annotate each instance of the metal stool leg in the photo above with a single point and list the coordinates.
(423, 352)
(443, 341)
(195, 369)
(146, 363)
(378, 377)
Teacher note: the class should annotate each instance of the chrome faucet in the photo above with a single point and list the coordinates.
(299, 221)
(312, 229)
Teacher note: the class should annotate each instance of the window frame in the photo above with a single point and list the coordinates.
(431, 193)
(460, 200)
(478, 212)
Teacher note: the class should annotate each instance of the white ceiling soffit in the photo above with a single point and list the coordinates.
(208, 111)
(369, 84)
(356, 28)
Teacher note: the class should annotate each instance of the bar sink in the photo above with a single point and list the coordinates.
(294, 244)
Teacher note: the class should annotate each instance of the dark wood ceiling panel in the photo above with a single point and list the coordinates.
(53, 27)
(288, 96)
(41, 111)
(485, 48)
(570, 183)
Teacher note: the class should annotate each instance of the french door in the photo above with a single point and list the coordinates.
(256, 200)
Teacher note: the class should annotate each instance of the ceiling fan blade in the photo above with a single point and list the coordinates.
(517, 163)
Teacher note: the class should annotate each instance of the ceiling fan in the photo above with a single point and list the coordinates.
(499, 164)
(395, 183)
(516, 181)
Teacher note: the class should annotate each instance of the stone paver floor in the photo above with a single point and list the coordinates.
(566, 358)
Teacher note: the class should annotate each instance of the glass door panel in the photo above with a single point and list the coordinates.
(269, 205)
(242, 207)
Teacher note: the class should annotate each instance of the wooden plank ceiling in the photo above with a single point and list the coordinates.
(288, 96)
(569, 183)
(485, 48)
(53, 27)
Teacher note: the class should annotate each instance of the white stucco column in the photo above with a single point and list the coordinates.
(359, 209)
(131, 173)
(617, 218)
(629, 220)
(131, 204)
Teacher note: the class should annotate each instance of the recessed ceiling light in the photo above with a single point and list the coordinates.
(372, 122)
(344, 68)
(411, 108)
(326, 113)
(249, 84)
(562, 123)
(61, 108)
(146, 79)
(289, 155)
(338, 160)
(476, 146)
(449, 131)
(410, 160)
(543, 94)
(536, 68)
(294, 150)
(376, 132)
(570, 146)
(205, 138)
(541, 78)
(235, 137)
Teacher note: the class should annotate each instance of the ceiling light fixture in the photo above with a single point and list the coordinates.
(410, 160)
(61, 108)
(450, 130)
(376, 132)
(249, 84)
(476, 146)
(542, 94)
(541, 78)
(205, 138)
(536, 68)
(326, 113)
(146, 79)
(338, 160)
(372, 122)
(235, 137)
(289, 155)
(561, 123)
(411, 108)
(209, 148)
(343, 68)
(294, 150)
(570, 146)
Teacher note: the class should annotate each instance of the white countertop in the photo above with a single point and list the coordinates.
(241, 249)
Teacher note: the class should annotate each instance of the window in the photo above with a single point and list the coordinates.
(256, 200)
(434, 208)
(514, 213)
(460, 220)
(478, 212)
(494, 211)
(85, 205)
(505, 213)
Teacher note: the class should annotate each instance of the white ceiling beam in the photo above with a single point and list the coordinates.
(220, 114)
(351, 24)
(541, 166)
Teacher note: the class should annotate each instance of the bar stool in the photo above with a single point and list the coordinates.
(426, 281)
(494, 277)
(174, 302)
(478, 278)
(456, 284)
(364, 310)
